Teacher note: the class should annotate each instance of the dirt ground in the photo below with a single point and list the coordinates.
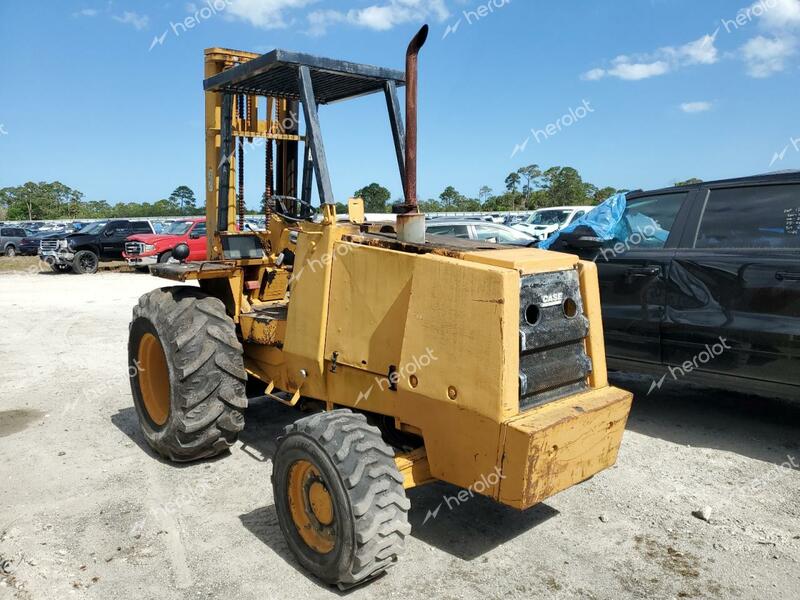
(87, 511)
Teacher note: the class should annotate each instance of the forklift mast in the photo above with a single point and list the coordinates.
(277, 132)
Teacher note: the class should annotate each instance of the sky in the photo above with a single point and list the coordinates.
(106, 96)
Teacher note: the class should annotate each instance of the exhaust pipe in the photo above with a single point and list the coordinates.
(411, 224)
(412, 78)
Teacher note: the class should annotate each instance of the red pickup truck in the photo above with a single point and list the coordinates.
(143, 250)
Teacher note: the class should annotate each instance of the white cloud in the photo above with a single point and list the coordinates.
(380, 17)
(136, 20)
(777, 14)
(594, 74)
(767, 56)
(630, 71)
(699, 52)
(669, 58)
(696, 107)
(267, 14)
(87, 12)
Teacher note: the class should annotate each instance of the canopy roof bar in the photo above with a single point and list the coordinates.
(276, 74)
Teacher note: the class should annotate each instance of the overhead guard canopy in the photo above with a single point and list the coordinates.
(276, 74)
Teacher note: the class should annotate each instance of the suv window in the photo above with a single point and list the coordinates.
(141, 227)
(647, 221)
(459, 231)
(5, 233)
(20, 233)
(199, 229)
(751, 217)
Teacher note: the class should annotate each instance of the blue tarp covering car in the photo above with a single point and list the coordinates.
(609, 222)
(605, 220)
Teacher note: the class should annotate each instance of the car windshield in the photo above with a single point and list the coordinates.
(549, 217)
(178, 228)
(93, 228)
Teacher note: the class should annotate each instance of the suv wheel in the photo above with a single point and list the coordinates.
(166, 257)
(85, 262)
(11, 251)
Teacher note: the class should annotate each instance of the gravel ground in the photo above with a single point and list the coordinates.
(88, 511)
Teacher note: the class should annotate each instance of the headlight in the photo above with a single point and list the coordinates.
(149, 248)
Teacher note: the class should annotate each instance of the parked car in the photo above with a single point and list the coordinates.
(705, 280)
(29, 246)
(546, 221)
(480, 231)
(142, 250)
(84, 250)
(10, 239)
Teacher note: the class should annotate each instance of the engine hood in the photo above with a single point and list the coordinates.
(154, 238)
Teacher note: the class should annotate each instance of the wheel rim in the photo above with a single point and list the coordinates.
(154, 379)
(88, 262)
(311, 507)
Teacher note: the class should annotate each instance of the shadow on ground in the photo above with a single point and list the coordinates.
(760, 428)
(468, 530)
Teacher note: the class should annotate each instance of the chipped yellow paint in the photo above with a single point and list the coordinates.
(561, 444)
(527, 261)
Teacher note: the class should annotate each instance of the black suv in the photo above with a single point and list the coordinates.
(83, 250)
(705, 281)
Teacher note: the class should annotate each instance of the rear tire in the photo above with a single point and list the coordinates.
(187, 374)
(85, 262)
(360, 530)
(11, 251)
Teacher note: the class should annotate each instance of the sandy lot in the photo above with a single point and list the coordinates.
(88, 512)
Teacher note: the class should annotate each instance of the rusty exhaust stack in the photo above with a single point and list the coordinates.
(410, 223)
(412, 77)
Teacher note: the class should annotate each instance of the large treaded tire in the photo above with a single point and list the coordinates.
(370, 503)
(206, 373)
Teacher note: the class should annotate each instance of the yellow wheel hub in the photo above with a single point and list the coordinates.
(154, 379)
(311, 506)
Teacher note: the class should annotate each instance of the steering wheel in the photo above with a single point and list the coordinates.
(287, 207)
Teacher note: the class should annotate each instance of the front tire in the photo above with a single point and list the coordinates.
(339, 497)
(166, 257)
(85, 262)
(187, 374)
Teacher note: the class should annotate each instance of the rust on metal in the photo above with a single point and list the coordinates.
(412, 78)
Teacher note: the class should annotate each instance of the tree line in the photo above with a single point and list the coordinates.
(49, 201)
(528, 188)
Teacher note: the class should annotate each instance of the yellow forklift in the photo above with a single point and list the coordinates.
(413, 360)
